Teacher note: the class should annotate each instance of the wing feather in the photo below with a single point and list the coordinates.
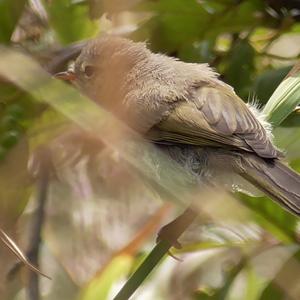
(215, 117)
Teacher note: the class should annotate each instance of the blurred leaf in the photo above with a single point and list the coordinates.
(70, 20)
(175, 22)
(285, 284)
(289, 140)
(10, 12)
(48, 126)
(251, 282)
(16, 116)
(178, 23)
(8, 92)
(244, 13)
(273, 292)
(98, 7)
(241, 67)
(204, 245)
(13, 173)
(272, 217)
(293, 120)
(296, 164)
(222, 293)
(100, 286)
(176, 7)
(199, 52)
(254, 283)
(266, 83)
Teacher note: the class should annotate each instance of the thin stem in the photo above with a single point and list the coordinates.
(157, 254)
(274, 56)
(33, 292)
(151, 261)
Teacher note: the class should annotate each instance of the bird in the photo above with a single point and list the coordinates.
(186, 111)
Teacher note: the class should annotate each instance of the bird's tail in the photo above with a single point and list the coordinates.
(275, 179)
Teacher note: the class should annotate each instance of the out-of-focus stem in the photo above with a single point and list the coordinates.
(33, 291)
(157, 253)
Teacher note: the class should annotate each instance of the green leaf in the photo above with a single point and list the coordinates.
(100, 286)
(284, 100)
(70, 21)
(10, 12)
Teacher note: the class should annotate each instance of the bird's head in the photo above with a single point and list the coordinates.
(101, 70)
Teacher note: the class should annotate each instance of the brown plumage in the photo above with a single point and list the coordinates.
(188, 112)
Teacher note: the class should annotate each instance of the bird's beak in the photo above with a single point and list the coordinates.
(66, 76)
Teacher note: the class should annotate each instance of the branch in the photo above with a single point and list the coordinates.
(274, 56)
(155, 256)
(43, 157)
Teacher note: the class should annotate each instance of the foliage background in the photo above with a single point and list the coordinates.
(97, 235)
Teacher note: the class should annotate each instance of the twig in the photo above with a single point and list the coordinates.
(274, 56)
(157, 253)
(295, 71)
(151, 261)
(33, 292)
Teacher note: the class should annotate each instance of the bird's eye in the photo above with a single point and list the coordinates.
(89, 71)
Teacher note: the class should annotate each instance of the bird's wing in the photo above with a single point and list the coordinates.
(216, 117)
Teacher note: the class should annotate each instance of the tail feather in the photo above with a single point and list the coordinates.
(275, 179)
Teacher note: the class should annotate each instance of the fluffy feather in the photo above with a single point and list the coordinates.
(189, 113)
